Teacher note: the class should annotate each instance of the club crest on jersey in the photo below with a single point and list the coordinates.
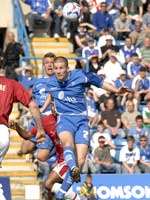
(61, 95)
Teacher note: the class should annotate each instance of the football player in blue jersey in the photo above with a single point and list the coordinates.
(68, 90)
(40, 93)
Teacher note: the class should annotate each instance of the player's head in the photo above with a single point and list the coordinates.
(61, 68)
(2, 67)
(48, 63)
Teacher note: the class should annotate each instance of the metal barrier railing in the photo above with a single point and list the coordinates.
(19, 23)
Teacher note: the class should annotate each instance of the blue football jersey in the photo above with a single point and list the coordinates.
(40, 92)
(69, 96)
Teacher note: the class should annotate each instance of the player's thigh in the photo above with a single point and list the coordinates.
(43, 154)
(82, 135)
(66, 130)
(52, 179)
(44, 149)
(66, 138)
(27, 146)
(81, 150)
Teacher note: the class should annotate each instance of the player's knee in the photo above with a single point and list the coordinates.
(43, 156)
(48, 185)
(25, 149)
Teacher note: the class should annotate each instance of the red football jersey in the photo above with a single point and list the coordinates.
(49, 125)
(10, 92)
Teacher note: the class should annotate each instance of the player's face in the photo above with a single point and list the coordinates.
(48, 64)
(60, 70)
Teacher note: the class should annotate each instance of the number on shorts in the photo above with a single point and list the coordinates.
(86, 135)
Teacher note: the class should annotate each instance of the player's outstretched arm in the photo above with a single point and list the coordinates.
(110, 87)
(99, 81)
(40, 136)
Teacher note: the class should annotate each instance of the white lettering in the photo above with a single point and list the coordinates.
(124, 192)
(2, 197)
(103, 192)
(71, 99)
(138, 192)
(116, 192)
(127, 193)
(147, 192)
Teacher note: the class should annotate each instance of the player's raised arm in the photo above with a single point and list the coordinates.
(40, 136)
(99, 81)
(110, 87)
(22, 96)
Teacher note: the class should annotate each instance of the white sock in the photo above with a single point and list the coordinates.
(69, 194)
(56, 187)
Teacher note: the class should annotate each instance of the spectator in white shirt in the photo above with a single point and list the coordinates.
(129, 156)
(91, 50)
(112, 68)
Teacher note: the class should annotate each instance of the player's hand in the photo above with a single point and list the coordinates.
(40, 136)
(12, 124)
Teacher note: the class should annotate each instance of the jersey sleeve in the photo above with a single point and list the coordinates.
(34, 88)
(94, 79)
(21, 94)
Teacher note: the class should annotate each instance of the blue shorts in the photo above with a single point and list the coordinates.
(47, 144)
(77, 125)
